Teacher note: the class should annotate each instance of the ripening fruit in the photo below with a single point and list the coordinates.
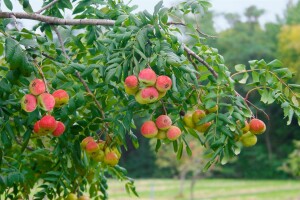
(147, 77)
(60, 129)
(163, 83)
(61, 98)
(37, 87)
(110, 158)
(248, 139)
(85, 141)
(203, 127)
(28, 103)
(71, 196)
(188, 120)
(163, 122)
(131, 85)
(161, 95)
(91, 147)
(198, 115)
(173, 133)
(246, 128)
(161, 134)
(147, 95)
(101, 144)
(257, 126)
(83, 197)
(98, 156)
(37, 130)
(46, 101)
(47, 124)
(213, 109)
(115, 149)
(149, 129)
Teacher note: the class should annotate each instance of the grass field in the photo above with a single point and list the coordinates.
(166, 189)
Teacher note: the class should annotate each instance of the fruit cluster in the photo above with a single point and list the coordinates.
(40, 97)
(147, 87)
(162, 128)
(100, 152)
(191, 120)
(47, 125)
(46, 102)
(250, 130)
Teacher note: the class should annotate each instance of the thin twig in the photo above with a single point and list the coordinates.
(56, 20)
(164, 107)
(197, 29)
(78, 74)
(194, 64)
(28, 147)
(192, 53)
(257, 108)
(46, 7)
(61, 42)
(42, 75)
(205, 34)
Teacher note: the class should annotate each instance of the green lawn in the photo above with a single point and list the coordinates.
(166, 189)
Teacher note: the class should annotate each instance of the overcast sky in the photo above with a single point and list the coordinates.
(272, 8)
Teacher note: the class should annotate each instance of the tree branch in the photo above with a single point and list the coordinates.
(46, 7)
(192, 53)
(56, 20)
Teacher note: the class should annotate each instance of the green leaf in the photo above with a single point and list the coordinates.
(207, 118)
(240, 67)
(158, 144)
(8, 4)
(179, 152)
(244, 79)
(157, 7)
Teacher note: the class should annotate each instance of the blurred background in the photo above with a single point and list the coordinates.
(242, 31)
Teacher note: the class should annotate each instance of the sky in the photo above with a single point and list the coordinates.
(271, 7)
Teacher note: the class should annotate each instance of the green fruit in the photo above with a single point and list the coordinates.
(71, 196)
(198, 115)
(188, 120)
(98, 156)
(248, 139)
(161, 134)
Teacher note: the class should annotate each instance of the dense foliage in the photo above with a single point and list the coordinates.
(91, 62)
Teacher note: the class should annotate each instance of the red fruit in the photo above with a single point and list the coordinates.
(46, 101)
(28, 103)
(257, 126)
(173, 133)
(85, 141)
(147, 95)
(47, 124)
(36, 127)
(37, 86)
(163, 122)
(163, 83)
(91, 147)
(61, 97)
(131, 82)
(147, 76)
(149, 129)
(111, 157)
(60, 129)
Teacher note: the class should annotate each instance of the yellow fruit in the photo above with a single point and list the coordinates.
(248, 139)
